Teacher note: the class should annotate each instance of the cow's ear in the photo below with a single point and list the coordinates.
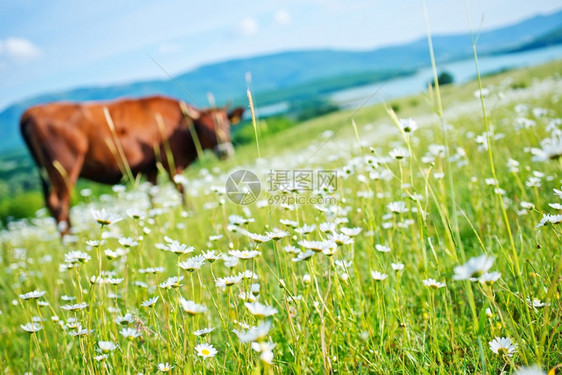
(235, 116)
(189, 111)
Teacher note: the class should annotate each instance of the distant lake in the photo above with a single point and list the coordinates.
(462, 71)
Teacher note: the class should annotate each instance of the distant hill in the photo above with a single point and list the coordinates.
(298, 75)
(549, 39)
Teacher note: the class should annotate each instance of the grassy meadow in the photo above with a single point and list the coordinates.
(436, 252)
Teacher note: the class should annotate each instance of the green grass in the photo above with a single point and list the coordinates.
(343, 320)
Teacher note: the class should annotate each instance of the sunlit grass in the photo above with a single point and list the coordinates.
(138, 289)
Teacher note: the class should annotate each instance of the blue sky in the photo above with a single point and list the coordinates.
(55, 45)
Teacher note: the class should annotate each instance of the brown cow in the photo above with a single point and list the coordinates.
(96, 140)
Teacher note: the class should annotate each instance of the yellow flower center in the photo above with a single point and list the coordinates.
(205, 351)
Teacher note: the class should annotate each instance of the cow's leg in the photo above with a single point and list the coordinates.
(152, 177)
(178, 180)
(57, 197)
(63, 178)
(181, 190)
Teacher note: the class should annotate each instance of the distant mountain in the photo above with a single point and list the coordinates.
(549, 39)
(277, 77)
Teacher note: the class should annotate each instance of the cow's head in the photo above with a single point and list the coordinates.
(213, 127)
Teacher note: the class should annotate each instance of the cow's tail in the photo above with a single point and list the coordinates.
(26, 124)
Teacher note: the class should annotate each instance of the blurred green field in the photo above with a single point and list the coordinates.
(391, 296)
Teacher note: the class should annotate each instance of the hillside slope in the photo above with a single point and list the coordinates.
(226, 80)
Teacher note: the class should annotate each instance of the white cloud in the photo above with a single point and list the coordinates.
(169, 48)
(282, 17)
(19, 49)
(248, 26)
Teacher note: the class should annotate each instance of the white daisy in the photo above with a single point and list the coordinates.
(165, 367)
(33, 295)
(211, 255)
(179, 248)
(291, 249)
(533, 370)
(191, 307)
(81, 332)
(351, 232)
(474, 268)
(101, 357)
(203, 332)
(205, 351)
(329, 227)
(193, 264)
(303, 256)
(317, 246)
(244, 254)
(490, 278)
(289, 223)
(259, 238)
(434, 284)
(31, 327)
(277, 234)
(172, 282)
(153, 270)
(340, 239)
(399, 153)
(331, 249)
(128, 242)
(556, 206)
(239, 220)
(75, 307)
(125, 319)
(76, 257)
(150, 302)
(254, 333)
(548, 218)
(114, 281)
(527, 205)
(136, 214)
(130, 333)
(408, 125)
(382, 248)
(247, 274)
(105, 218)
(397, 207)
(106, 346)
(397, 266)
(265, 349)
(228, 281)
(215, 237)
(306, 229)
(260, 310)
(503, 346)
(537, 303)
(110, 254)
(376, 275)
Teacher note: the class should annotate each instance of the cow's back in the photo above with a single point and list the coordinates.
(136, 131)
(82, 132)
